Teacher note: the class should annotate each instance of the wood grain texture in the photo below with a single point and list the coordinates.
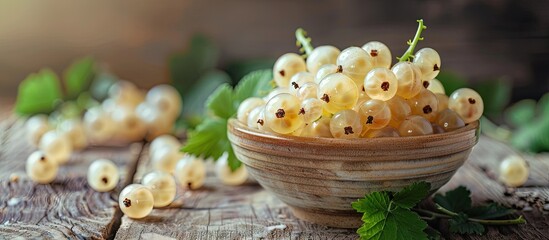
(66, 208)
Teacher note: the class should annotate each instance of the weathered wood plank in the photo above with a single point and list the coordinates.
(66, 208)
(249, 212)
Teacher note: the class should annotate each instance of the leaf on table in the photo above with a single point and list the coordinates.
(521, 113)
(78, 77)
(195, 100)
(209, 139)
(38, 93)
(187, 67)
(456, 200)
(254, 84)
(412, 195)
(495, 95)
(221, 102)
(490, 211)
(451, 81)
(460, 224)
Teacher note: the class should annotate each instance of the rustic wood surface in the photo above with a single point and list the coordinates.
(68, 208)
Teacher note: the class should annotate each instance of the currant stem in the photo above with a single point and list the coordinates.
(410, 51)
(519, 220)
(303, 42)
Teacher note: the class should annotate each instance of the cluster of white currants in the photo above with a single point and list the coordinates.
(127, 115)
(357, 93)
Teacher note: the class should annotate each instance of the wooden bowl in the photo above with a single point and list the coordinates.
(320, 177)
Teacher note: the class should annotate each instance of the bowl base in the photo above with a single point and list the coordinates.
(349, 219)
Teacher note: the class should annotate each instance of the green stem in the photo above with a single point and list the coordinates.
(412, 43)
(303, 42)
(519, 220)
(433, 214)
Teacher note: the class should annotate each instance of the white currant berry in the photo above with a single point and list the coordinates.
(325, 71)
(162, 186)
(226, 175)
(355, 63)
(246, 107)
(75, 131)
(319, 128)
(286, 66)
(190, 172)
(467, 103)
(35, 127)
(40, 168)
(320, 56)
(298, 80)
(428, 61)
(98, 125)
(436, 86)
(275, 92)
(166, 99)
(163, 141)
(125, 93)
(157, 123)
(380, 55)
(103, 175)
(253, 117)
(136, 201)
(128, 126)
(165, 159)
(56, 146)
(513, 171)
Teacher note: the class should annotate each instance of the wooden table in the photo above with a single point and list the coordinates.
(68, 208)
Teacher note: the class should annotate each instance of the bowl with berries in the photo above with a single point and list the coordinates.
(341, 124)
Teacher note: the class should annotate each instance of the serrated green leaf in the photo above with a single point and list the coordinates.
(433, 234)
(461, 224)
(490, 211)
(194, 101)
(412, 195)
(456, 200)
(38, 93)
(221, 102)
(451, 81)
(521, 113)
(373, 202)
(209, 139)
(495, 95)
(254, 84)
(78, 77)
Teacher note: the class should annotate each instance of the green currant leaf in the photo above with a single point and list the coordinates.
(38, 93)
(194, 101)
(490, 211)
(461, 224)
(521, 113)
(78, 77)
(412, 195)
(209, 139)
(222, 102)
(254, 84)
(432, 234)
(457, 200)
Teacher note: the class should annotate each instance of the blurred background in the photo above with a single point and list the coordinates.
(480, 40)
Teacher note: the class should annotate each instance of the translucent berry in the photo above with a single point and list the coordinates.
(103, 175)
(164, 141)
(307, 90)
(428, 61)
(126, 94)
(136, 201)
(442, 101)
(513, 171)
(246, 107)
(325, 71)
(380, 55)
(286, 66)
(157, 123)
(409, 79)
(346, 124)
(128, 125)
(381, 84)
(383, 132)
(282, 113)
(275, 92)
(374, 114)
(37, 125)
(436, 86)
(338, 92)
(449, 120)
(226, 175)
(40, 168)
(399, 111)
(56, 146)
(355, 63)
(311, 109)
(74, 129)
(320, 128)
(166, 99)
(415, 126)
(162, 186)
(466, 103)
(165, 159)
(424, 104)
(190, 172)
(99, 125)
(298, 80)
(253, 117)
(320, 56)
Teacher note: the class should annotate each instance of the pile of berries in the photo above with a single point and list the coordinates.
(357, 92)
